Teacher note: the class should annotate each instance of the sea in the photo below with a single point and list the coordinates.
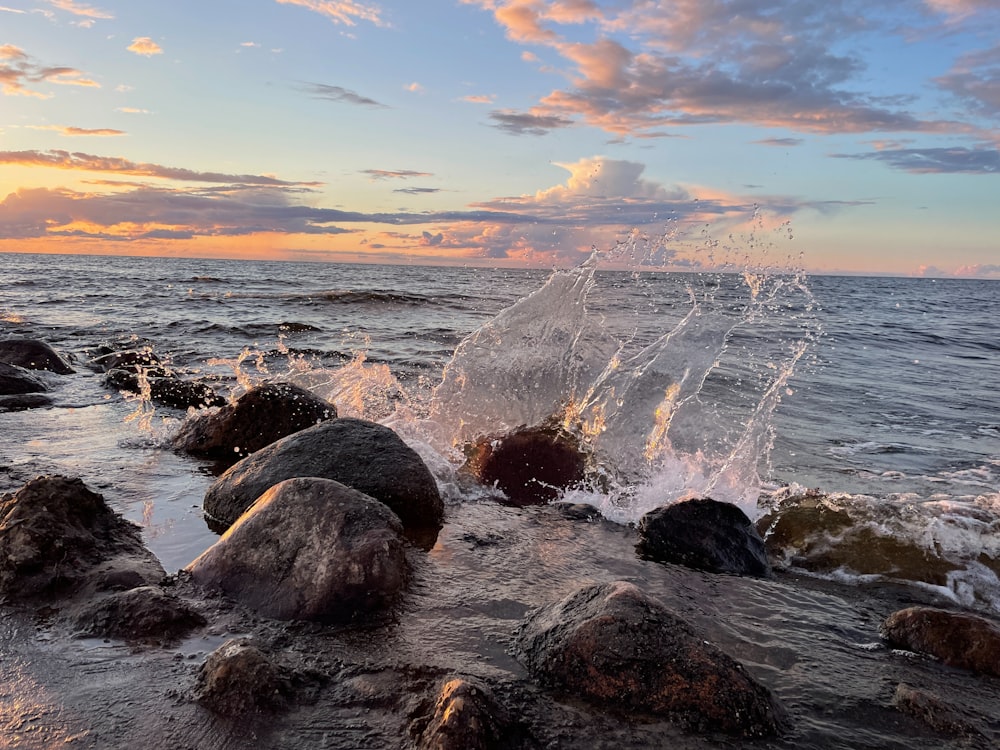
(855, 419)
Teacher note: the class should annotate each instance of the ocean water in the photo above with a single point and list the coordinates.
(872, 397)
(857, 419)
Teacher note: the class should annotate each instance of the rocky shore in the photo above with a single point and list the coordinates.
(346, 605)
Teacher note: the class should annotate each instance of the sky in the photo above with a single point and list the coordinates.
(839, 136)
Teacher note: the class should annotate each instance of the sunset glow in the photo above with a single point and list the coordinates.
(861, 139)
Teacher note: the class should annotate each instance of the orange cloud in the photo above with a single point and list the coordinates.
(346, 12)
(79, 9)
(143, 45)
(19, 71)
(74, 131)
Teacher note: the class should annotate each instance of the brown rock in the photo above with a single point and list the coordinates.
(145, 614)
(56, 535)
(466, 717)
(258, 418)
(529, 465)
(614, 645)
(238, 678)
(958, 639)
(934, 712)
(309, 549)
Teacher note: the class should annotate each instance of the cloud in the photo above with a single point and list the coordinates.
(143, 45)
(479, 98)
(90, 163)
(417, 190)
(979, 271)
(339, 94)
(397, 174)
(11, 10)
(132, 111)
(956, 160)
(346, 12)
(74, 131)
(80, 9)
(783, 142)
(974, 79)
(19, 72)
(637, 65)
(414, 87)
(526, 123)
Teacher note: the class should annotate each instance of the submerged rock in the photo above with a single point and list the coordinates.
(33, 355)
(259, 417)
(309, 549)
(238, 679)
(24, 401)
(466, 716)
(704, 534)
(56, 536)
(530, 465)
(140, 371)
(618, 647)
(958, 639)
(15, 381)
(366, 456)
(936, 713)
(145, 614)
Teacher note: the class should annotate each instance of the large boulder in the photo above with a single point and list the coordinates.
(530, 465)
(259, 417)
(615, 646)
(33, 355)
(704, 534)
(958, 639)
(309, 549)
(16, 380)
(366, 456)
(56, 536)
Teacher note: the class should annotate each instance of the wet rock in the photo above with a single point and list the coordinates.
(938, 714)
(466, 716)
(531, 465)
(33, 355)
(958, 639)
(24, 401)
(617, 647)
(309, 549)
(140, 371)
(57, 536)
(366, 456)
(706, 535)
(238, 679)
(145, 614)
(16, 380)
(258, 418)
(811, 533)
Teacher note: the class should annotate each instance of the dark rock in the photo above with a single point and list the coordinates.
(309, 549)
(140, 371)
(617, 647)
(939, 715)
(258, 418)
(146, 614)
(129, 360)
(24, 401)
(529, 465)
(33, 355)
(16, 380)
(366, 456)
(183, 394)
(958, 639)
(238, 679)
(578, 511)
(466, 716)
(56, 535)
(706, 535)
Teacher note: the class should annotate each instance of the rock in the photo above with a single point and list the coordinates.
(56, 536)
(140, 371)
(238, 679)
(530, 465)
(934, 712)
(617, 647)
(24, 401)
(259, 417)
(466, 717)
(145, 614)
(16, 380)
(366, 456)
(309, 549)
(706, 535)
(33, 355)
(958, 639)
